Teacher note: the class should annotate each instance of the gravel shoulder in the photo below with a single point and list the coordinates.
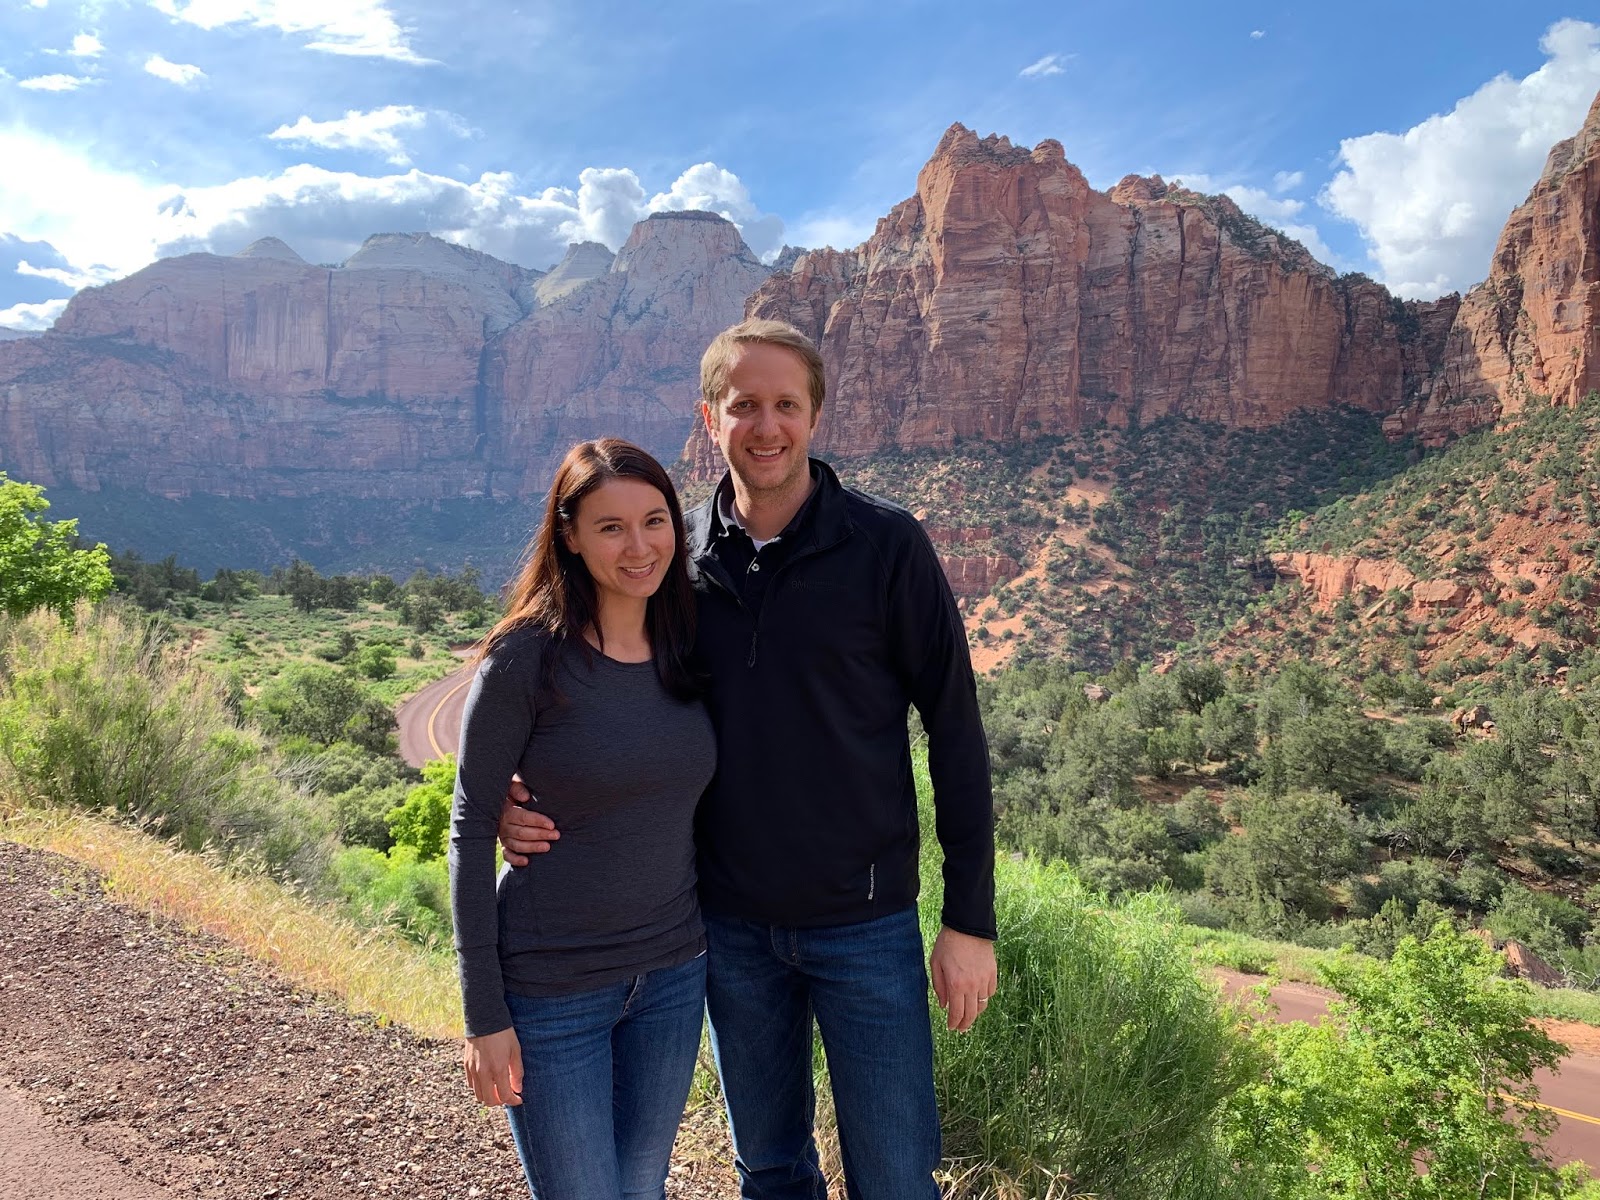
(140, 1061)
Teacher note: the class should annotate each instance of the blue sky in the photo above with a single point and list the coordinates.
(1391, 138)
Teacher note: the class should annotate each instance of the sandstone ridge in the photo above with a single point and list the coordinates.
(1008, 298)
(418, 370)
(1532, 328)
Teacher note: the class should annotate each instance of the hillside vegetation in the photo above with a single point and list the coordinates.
(1503, 525)
(1105, 1066)
(1124, 543)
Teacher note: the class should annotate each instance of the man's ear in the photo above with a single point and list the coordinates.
(709, 418)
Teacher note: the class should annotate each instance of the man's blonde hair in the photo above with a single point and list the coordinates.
(719, 358)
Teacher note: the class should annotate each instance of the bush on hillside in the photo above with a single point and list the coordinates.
(325, 705)
(105, 716)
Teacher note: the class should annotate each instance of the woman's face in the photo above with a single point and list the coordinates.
(623, 532)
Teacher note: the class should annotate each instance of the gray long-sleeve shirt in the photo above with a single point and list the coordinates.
(619, 765)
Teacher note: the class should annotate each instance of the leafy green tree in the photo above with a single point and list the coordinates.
(1227, 729)
(376, 661)
(1420, 1086)
(304, 587)
(1292, 847)
(422, 822)
(40, 565)
(325, 705)
(1199, 684)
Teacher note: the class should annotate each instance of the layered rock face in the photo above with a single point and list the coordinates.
(1009, 298)
(620, 355)
(417, 370)
(1532, 328)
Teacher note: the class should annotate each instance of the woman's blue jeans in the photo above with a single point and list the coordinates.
(605, 1074)
(865, 987)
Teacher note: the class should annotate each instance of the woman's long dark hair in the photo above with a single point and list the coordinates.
(555, 592)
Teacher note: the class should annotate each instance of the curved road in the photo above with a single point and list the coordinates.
(430, 725)
(430, 722)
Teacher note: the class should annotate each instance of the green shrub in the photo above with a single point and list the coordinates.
(422, 822)
(106, 717)
(1104, 1059)
(397, 889)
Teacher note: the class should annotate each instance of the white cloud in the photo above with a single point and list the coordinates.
(32, 316)
(373, 132)
(55, 83)
(1287, 181)
(841, 230)
(1430, 202)
(86, 45)
(71, 277)
(1258, 34)
(365, 28)
(1050, 64)
(1281, 212)
(182, 74)
(106, 223)
(711, 188)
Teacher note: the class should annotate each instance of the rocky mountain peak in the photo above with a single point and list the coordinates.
(583, 262)
(271, 247)
(1532, 328)
(670, 243)
(1139, 189)
(1568, 154)
(506, 290)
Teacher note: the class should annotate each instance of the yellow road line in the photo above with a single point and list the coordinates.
(433, 738)
(1560, 1112)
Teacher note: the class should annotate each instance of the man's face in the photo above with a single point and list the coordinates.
(764, 420)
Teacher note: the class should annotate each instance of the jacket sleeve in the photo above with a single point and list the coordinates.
(495, 727)
(929, 645)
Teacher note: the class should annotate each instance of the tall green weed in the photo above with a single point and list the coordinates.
(105, 715)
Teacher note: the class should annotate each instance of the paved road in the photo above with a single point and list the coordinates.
(430, 722)
(41, 1160)
(1574, 1089)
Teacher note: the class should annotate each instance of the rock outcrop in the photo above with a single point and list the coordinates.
(1008, 298)
(417, 370)
(1329, 578)
(1532, 328)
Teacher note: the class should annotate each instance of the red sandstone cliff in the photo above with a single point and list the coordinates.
(1007, 298)
(1532, 328)
(417, 370)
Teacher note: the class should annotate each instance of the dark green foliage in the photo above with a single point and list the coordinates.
(325, 705)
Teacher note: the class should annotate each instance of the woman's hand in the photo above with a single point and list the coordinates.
(494, 1067)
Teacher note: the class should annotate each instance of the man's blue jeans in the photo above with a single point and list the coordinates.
(867, 987)
(605, 1074)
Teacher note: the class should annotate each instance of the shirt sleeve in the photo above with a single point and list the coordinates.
(929, 643)
(495, 727)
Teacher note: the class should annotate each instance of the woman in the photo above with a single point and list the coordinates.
(583, 980)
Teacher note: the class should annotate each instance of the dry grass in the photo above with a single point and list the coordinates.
(369, 971)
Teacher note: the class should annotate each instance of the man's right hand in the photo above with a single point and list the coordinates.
(522, 831)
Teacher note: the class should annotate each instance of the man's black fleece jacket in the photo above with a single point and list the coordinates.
(816, 646)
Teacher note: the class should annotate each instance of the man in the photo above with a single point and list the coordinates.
(824, 615)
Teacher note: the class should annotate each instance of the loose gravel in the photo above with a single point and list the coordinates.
(128, 1039)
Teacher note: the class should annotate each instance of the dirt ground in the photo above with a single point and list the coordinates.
(140, 1062)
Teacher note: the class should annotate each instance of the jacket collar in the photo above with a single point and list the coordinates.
(824, 520)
